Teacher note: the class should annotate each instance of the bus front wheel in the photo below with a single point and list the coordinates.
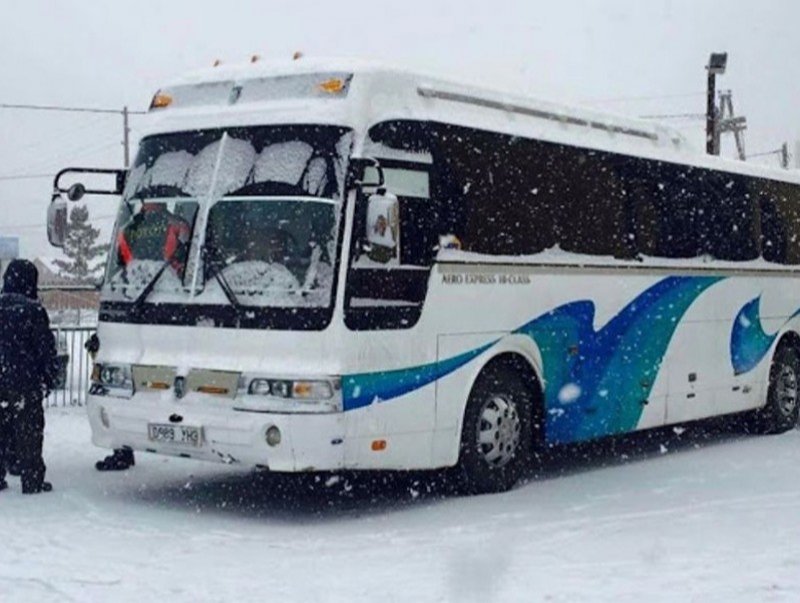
(496, 435)
(780, 414)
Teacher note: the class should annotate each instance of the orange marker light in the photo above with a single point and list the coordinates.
(378, 445)
(212, 389)
(157, 385)
(332, 86)
(160, 101)
(301, 390)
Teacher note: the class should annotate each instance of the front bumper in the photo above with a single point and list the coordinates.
(309, 442)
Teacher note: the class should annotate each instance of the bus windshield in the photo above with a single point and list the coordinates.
(272, 251)
(207, 200)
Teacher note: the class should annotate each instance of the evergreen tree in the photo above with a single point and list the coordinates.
(85, 257)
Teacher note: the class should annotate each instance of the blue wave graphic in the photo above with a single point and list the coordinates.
(599, 381)
(596, 381)
(749, 342)
(369, 388)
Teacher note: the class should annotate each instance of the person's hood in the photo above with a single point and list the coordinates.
(22, 278)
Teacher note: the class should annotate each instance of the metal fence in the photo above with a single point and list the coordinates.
(75, 366)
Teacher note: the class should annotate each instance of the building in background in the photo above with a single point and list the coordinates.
(9, 250)
(67, 301)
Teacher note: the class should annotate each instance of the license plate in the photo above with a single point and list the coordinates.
(175, 434)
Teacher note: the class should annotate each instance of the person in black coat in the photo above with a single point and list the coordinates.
(27, 374)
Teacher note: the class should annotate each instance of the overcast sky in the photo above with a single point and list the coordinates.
(636, 57)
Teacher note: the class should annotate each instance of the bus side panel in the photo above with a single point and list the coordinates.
(592, 337)
(388, 425)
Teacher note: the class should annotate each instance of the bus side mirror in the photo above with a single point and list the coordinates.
(57, 221)
(383, 228)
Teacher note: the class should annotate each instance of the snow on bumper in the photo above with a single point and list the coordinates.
(308, 441)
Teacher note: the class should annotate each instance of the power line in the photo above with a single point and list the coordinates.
(25, 177)
(70, 155)
(39, 225)
(124, 112)
(675, 116)
(624, 99)
(764, 154)
(56, 138)
(78, 152)
(65, 108)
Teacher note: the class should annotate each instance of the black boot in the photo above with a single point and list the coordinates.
(36, 488)
(118, 461)
(3, 484)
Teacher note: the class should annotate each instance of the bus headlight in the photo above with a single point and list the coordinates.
(311, 395)
(259, 387)
(288, 388)
(112, 379)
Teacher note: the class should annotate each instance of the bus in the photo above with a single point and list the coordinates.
(327, 265)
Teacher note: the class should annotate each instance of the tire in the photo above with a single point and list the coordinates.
(783, 395)
(496, 435)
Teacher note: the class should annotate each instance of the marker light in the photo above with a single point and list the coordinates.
(160, 101)
(333, 85)
(157, 385)
(213, 389)
(312, 390)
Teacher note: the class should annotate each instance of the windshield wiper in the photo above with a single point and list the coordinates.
(140, 299)
(210, 253)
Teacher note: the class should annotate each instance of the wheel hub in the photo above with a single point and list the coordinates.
(499, 430)
(787, 390)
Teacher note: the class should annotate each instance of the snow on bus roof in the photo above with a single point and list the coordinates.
(456, 101)
(272, 68)
(429, 85)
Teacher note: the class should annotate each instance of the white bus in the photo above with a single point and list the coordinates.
(327, 265)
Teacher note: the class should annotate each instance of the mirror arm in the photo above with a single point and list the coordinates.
(367, 161)
(119, 185)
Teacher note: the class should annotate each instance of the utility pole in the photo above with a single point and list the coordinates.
(125, 112)
(716, 66)
(126, 131)
(727, 122)
(721, 120)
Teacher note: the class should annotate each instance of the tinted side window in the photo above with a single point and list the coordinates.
(495, 194)
(780, 223)
(593, 216)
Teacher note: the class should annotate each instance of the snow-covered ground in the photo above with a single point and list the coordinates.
(706, 515)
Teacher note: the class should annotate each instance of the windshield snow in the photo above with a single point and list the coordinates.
(258, 205)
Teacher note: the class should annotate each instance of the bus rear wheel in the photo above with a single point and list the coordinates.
(496, 435)
(780, 413)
